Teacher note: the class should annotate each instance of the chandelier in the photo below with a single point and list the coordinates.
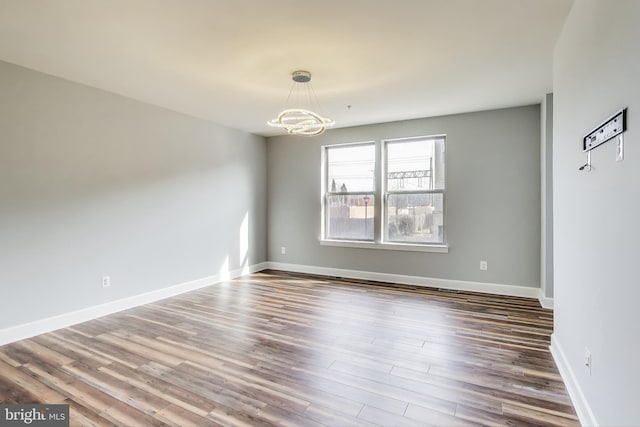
(301, 121)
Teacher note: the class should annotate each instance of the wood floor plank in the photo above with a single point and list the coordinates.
(537, 414)
(428, 416)
(27, 383)
(84, 417)
(287, 349)
(179, 416)
(154, 390)
(75, 352)
(83, 394)
(332, 418)
(124, 414)
(44, 353)
(384, 418)
(12, 393)
(8, 360)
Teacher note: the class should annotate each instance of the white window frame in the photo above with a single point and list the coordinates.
(380, 195)
(386, 192)
(326, 192)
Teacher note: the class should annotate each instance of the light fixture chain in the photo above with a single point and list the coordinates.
(286, 104)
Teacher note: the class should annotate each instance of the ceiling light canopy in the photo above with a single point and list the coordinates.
(302, 121)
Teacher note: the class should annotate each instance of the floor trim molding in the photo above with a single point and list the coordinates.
(489, 288)
(580, 403)
(545, 302)
(49, 324)
(41, 326)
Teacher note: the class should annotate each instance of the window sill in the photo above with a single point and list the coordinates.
(443, 249)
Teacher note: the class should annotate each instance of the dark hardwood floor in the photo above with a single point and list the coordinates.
(293, 350)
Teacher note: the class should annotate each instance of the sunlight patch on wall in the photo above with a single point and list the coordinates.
(224, 270)
(244, 244)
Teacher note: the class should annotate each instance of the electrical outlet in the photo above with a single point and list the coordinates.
(587, 359)
(283, 250)
(483, 265)
(106, 281)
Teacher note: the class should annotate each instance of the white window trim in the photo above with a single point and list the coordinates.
(325, 183)
(379, 242)
(392, 246)
(385, 192)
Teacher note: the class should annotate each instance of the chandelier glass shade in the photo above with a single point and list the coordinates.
(301, 121)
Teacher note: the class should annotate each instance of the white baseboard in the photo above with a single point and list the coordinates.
(545, 302)
(580, 403)
(259, 267)
(41, 326)
(461, 285)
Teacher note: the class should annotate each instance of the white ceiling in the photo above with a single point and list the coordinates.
(229, 61)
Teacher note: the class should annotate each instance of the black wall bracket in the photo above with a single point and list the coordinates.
(611, 127)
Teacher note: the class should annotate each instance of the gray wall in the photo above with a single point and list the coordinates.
(597, 213)
(493, 199)
(94, 184)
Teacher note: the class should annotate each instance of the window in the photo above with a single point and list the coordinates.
(414, 190)
(395, 200)
(349, 192)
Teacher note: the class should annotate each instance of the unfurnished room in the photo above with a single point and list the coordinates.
(324, 214)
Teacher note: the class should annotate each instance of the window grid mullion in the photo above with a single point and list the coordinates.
(381, 194)
(416, 192)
